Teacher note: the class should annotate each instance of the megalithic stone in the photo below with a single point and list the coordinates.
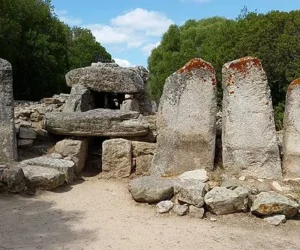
(291, 132)
(248, 129)
(8, 145)
(186, 121)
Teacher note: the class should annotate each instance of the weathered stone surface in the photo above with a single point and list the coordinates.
(106, 79)
(151, 189)
(164, 206)
(116, 158)
(8, 144)
(27, 133)
(271, 203)
(80, 100)
(187, 121)
(25, 143)
(64, 166)
(221, 200)
(248, 130)
(180, 210)
(56, 156)
(14, 178)
(97, 122)
(42, 177)
(196, 175)
(196, 212)
(143, 148)
(276, 220)
(143, 164)
(130, 105)
(77, 149)
(291, 133)
(191, 192)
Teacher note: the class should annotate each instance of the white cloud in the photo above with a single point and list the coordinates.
(64, 17)
(149, 47)
(134, 29)
(123, 62)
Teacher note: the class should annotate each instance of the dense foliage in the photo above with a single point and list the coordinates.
(41, 48)
(273, 37)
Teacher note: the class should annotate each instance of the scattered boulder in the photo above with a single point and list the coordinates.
(196, 212)
(187, 121)
(291, 132)
(272, 203)
(249, 141)
(76, 149)
(64, 166)
(43, 178)
(151, 189)
(190, 192)
(106, 79)
(96, 122)
(276, 220)
(14, 179)
(199, 175)
(116, 158)
(180, 210)
(164, 206)
(221, 200)
(143, 148)
(27, 133)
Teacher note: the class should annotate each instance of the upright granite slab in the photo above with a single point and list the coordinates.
(97, 122)
(291, 132)
(8, 145)
(248, 130)
(186, 121)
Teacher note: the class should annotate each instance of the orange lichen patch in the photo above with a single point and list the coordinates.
(241, 65)
(294, 83)
(196, 63)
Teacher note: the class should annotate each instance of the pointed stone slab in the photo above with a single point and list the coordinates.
(186, 121)
(8, 144)
(291, 132)
(97, 122)
(248, 130)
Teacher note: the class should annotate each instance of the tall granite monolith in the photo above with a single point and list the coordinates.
(291, 132)
(8, 146)
(186, 121)
(248, 130)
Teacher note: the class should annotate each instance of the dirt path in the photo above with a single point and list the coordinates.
(98, 214)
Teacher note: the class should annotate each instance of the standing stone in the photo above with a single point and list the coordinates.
(116, 158)
(186, 121)
(8, 144)
(248, 130)
(291, 134)
(80, 100)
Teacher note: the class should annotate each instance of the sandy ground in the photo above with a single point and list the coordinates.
(98, 214)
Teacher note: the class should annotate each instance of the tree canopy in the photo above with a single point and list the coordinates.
(41, 48)
(273, 37)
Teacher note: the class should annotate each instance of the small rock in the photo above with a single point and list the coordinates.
(164, 206)
(276, 186)
(242, 178)
(196, 212)
(276, 220)
(15, 179)
(27, 133)
(198, 175)
(260, 180)
(25, 143)
(56, 156)
(213, 219)
(181, 210)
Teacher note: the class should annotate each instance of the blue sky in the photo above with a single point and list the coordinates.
(129, 29)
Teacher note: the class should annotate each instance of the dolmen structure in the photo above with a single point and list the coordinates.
(109, 123)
